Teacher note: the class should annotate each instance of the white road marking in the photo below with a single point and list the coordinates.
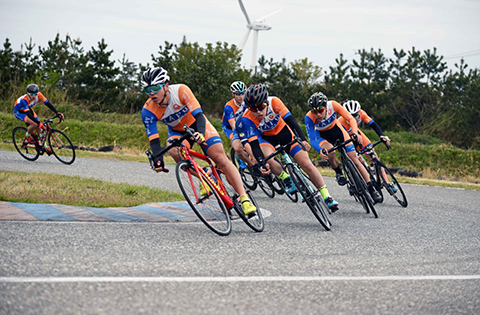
(235, 279)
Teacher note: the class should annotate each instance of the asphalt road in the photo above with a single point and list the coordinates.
(424, 259)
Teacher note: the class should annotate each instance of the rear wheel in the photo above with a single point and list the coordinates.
(308, 194)
(61, 146)
(208, 206)
(25, 149)
(391, 185)
(255, 222)
(359, 187)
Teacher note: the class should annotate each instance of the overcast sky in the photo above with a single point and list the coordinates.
(316, 29)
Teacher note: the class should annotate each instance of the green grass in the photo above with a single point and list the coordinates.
(77, 191)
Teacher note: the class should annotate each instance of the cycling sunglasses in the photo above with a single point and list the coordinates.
(33, 94)
(239, 93)
(318, 111)
(153, 88)
(259, 108)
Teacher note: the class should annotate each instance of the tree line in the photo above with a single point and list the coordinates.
(414, 91)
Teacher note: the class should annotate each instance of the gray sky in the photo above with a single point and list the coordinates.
(316, 29)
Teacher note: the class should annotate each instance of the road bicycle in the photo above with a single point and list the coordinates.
(307, 190)
(207, 190)
(58, 142)
(356, 185)
(269, 184)
(381, 176)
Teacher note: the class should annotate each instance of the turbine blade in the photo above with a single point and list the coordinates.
(244, 39)
(268, 15)
(244, 11)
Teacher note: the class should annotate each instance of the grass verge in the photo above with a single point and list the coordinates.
(77, 191)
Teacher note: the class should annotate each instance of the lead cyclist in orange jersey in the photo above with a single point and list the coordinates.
(23, 110)
(268, 122)
(324, 129)
(175, 105)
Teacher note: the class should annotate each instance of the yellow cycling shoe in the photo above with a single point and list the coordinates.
(248, 208)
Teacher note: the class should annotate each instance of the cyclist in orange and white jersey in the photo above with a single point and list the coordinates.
(324, 129)
(354, 108)
(175, 105)
(268, 122)
(232, 111)
(23, 110)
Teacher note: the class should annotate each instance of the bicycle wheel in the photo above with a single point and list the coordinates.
(246, 173)
(25, 149)
(61, 146)
(390, 183)
(277, 182)
(308, 195)
(208, 207)
(359, 187)
(256, 222)
(265, 184)
(321, 202)
(377, 183)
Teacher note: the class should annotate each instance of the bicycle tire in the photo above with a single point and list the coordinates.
(308, 196)
(208, 208)
(398, 195)
(246, 174)
(292, 196)
(277, 182)
(266, 186)
(377, 183)
(322, 203)
(361, 189)
(61, 146)
(26, 150)
(256, 222)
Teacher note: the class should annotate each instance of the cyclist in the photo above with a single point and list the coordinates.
(268, 122)
(355, 109)
(23, 110)
(175, 105)
(324, 129)
(232, 111)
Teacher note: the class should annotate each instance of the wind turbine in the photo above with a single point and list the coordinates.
(257, 25)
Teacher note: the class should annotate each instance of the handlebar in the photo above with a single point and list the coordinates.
(337, 145)
(280, 148)
(50, 120)
(174, 142)
(366, 149)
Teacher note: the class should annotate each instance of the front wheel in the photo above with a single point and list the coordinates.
(245, 173)
(359, 187)
(308, 194)
(24, 148)
(61, 146)
(205, 202)
(391, 185)
(255, 222)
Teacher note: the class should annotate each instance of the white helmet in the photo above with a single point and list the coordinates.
(154, 76)
(353, 107)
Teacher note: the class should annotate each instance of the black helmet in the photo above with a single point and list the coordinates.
(154, 76)
(32, 88)
(317, 101)
(256, 96)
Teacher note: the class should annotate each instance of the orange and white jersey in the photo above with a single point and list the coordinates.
(25, 102)
(362, 117)
(180, 110)
(271, 124)
(333, 109)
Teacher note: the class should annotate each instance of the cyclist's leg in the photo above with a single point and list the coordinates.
(240, 152)
(215, 150)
